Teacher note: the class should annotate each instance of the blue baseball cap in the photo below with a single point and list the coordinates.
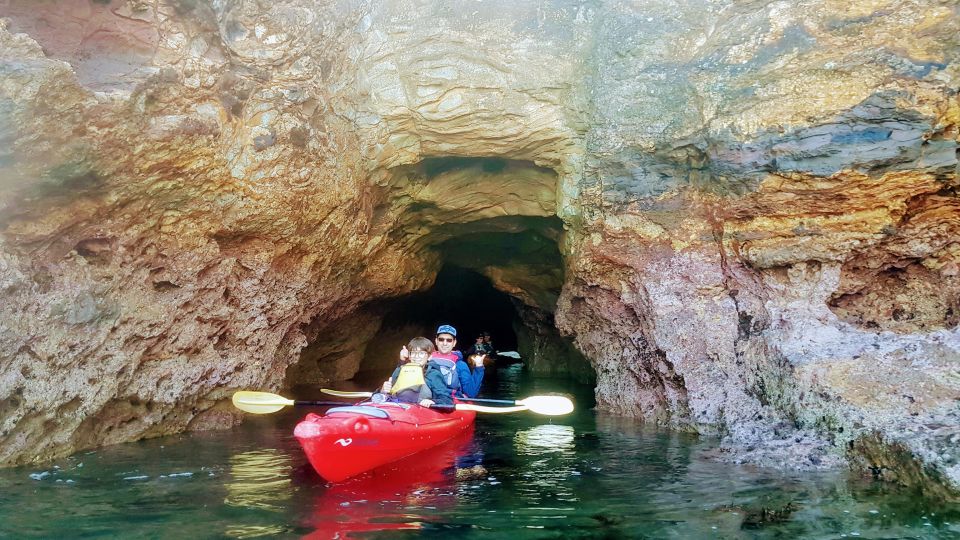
(447, 329)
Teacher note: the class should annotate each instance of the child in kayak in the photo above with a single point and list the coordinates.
(407, 382)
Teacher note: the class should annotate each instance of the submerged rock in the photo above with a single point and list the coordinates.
(477, 472)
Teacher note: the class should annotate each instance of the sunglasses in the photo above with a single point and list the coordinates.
(446, 339)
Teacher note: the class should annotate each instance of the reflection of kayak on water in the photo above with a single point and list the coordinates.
(347, 441)
(380, 500)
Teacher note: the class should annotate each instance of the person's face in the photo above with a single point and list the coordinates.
(419, 356)
(445, 343)
(479, 340)
(486, 338)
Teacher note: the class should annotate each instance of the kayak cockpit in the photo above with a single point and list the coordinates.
(364, 410)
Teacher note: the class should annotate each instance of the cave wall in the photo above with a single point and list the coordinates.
(547, 353)
(710, 208)
(736, 223)
(164, 243)
(759, 203)
(181, 231)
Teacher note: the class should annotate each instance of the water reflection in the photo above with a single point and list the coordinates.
(259, 480)
(395, 497)
(521, 477)
(659, 456)
(550, 466)
(255, 531)
(545, 439)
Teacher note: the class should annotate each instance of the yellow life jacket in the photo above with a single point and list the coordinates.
(410, 375)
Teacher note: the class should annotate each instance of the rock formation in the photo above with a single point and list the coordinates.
(755, 206)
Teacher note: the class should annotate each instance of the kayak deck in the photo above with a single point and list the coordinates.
(350, 440)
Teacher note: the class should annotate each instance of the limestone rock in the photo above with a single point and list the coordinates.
(754, 207)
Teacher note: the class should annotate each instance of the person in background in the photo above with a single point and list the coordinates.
(447, 374)
(478, 352)
(479, 347)
(408, 383)
(488, 343)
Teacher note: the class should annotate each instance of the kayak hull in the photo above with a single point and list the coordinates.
(348, 441)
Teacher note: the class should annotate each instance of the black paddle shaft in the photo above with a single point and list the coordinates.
(443, 408)
(484, 400)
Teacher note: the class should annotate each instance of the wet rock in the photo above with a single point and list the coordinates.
(764, 515)
(477, 472)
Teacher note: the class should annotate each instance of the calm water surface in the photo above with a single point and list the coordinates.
(516, 476)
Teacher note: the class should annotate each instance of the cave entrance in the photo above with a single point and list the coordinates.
(485, 230)
(459, 296)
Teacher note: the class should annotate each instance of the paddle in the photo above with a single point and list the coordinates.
(341, 393)
(548, 405)
(266, 403)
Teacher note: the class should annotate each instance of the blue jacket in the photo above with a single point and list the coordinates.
(466, 384)
(443, 379)
(469, 381)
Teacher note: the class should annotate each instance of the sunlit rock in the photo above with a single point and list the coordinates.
(744, 216)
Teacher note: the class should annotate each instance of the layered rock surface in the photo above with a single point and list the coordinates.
(758, 204)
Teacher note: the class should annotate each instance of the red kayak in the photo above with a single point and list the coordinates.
(347, 441)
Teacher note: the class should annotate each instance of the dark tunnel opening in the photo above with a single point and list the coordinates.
(489, 223)
(460, 297)
(505, 282)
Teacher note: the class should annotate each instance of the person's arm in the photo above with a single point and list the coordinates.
(388, 384)
(469, 382)
(426, 396)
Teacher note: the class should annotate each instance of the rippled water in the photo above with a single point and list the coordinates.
(519, 476)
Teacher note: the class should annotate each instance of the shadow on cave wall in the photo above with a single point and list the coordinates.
(460, 297)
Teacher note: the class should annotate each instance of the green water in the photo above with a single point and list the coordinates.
(517, 476)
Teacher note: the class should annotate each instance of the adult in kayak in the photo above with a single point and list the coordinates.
(447, 374)
(488, 345)
(478, 353)
(479, 347)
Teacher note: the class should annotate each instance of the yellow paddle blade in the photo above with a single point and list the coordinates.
(259, 402)
(548, 405)
(341, 393)
(485, 409)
